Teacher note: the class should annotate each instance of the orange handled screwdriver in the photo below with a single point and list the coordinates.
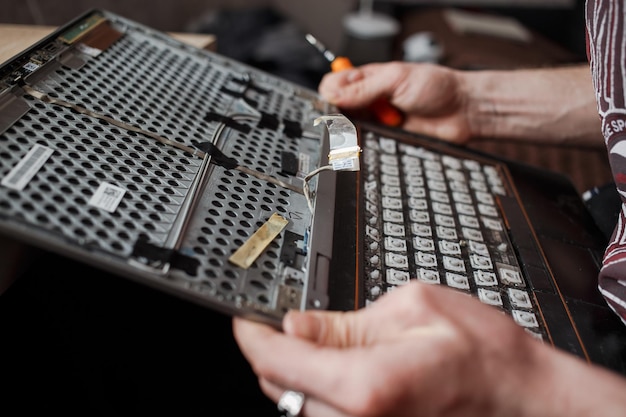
(382, 109)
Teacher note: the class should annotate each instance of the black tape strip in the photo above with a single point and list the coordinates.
(268, 121)
(293, 130)
(158, 256)
(217, 156)
(241, 95)
(185, 263)
(152, 253)
(250, 85)
(288, 163)
(215, 117)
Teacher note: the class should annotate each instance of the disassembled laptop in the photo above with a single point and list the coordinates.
(171, 165)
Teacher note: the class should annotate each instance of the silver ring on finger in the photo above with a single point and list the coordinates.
(290, 403)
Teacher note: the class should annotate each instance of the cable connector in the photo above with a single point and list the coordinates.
(344, 148)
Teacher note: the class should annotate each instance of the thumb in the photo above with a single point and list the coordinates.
(329, 328)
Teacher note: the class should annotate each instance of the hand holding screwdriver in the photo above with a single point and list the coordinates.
(382, 109)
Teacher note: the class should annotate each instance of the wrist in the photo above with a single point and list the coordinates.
(558, 384)
(555, 105)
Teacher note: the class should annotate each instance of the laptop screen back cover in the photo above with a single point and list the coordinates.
(107, 134)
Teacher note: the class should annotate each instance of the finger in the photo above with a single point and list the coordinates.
(293, 362)
(385, 319)
(357, 87)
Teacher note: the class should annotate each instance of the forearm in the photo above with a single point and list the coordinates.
(514, 105)
(563, 385)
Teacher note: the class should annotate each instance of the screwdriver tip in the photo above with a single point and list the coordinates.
(320, 47)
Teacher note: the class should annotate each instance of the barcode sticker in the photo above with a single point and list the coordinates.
(29, 165)
(107, 197)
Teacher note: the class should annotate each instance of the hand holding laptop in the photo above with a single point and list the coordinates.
(423, 350)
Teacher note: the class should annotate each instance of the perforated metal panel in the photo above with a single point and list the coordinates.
(152, 82)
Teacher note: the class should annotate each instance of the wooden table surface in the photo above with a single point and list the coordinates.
(16, 38)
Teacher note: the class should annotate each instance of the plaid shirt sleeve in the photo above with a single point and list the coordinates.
(606, 48)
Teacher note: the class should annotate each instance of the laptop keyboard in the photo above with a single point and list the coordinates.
(435, 218)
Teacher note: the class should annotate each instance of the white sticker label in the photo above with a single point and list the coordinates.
(29, 165)
(107, 197)
(30, 66)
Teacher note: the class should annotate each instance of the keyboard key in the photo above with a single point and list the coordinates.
(442, 208)
(453, 264)
(419, 216)
(439, 196)
(411, 161)
(432, 165)
(487, 210)
(392, 191)
(455, 174)
(429, 276)
(444, 220)
(395, 244)
(394, 216)
(471, 164)
(492, 224)
(485, 278)
(449, 248)
(462, 197)
(480, 262)
(396, 260)
(388, 145)
(392, 203)
(459, 186)
(525, 318)
(510, 274)
(451, 162)
(425, 259)
(490, 297)
(418, 203)
(372, 233)
(421, 229)
(438, 185)
(371, 208)
(386, 159)
(467, 209)
(414, 179)
(423, 243)
(447, 233)
(484, 197)
(390, 170)
(392, 180)
(478, 248)
(457, 281)
(478, 185)
(393, 229)
(519, 298)
(472, 234)
(469, 221)
(396, 277)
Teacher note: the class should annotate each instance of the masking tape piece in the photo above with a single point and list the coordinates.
(256, 244)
